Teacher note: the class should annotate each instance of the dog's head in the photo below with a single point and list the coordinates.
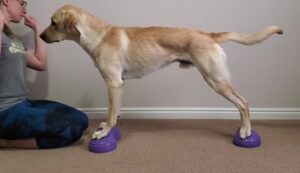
(63, 25)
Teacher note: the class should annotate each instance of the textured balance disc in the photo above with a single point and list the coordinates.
(116, 133)
(252, 141)
(107, 143)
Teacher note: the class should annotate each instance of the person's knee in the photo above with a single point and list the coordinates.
(83, 121)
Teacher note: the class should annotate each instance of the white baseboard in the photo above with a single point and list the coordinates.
(195, 113)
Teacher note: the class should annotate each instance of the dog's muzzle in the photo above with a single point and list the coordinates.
(44, 37)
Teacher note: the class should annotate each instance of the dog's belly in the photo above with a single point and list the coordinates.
(133, 73)
(139, 67)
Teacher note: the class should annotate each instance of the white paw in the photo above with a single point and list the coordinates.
(245, 132)
(99, 134)
(102, 131)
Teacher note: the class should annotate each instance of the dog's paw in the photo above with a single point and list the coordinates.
(102, 131)
(98, 134)
(245, 132)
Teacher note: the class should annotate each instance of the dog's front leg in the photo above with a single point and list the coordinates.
(115, 90)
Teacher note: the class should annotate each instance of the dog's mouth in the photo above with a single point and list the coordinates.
(49, 41)
(46, 39)
(52, 41)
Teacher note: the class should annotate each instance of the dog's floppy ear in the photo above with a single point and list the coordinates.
(70, 21)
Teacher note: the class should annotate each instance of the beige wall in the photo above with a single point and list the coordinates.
(266, 74)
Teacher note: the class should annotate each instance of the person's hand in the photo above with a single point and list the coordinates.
(31, 22)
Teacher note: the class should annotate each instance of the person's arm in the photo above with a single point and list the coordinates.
(36, 59)
(2, 22)
(1, 31)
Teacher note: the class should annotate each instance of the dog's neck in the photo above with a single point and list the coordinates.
(92, 31)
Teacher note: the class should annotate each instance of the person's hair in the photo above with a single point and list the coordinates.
(6, 29)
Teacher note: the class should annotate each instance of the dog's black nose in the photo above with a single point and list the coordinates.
(43, 37)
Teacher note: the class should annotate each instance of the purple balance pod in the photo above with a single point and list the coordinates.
(252, 141)
(107, 143)
(116, 133)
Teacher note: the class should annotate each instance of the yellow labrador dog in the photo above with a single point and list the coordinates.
(122, 53)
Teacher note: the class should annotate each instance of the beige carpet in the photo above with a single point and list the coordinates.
(170, 146)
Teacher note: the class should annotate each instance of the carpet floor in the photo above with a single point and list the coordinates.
(169, 146)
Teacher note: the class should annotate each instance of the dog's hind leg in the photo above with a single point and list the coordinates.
(224, 88)
(214, 70)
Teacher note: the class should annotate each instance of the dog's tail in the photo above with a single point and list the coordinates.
(246, 39)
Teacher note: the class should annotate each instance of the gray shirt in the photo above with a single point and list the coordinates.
(13, 88)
